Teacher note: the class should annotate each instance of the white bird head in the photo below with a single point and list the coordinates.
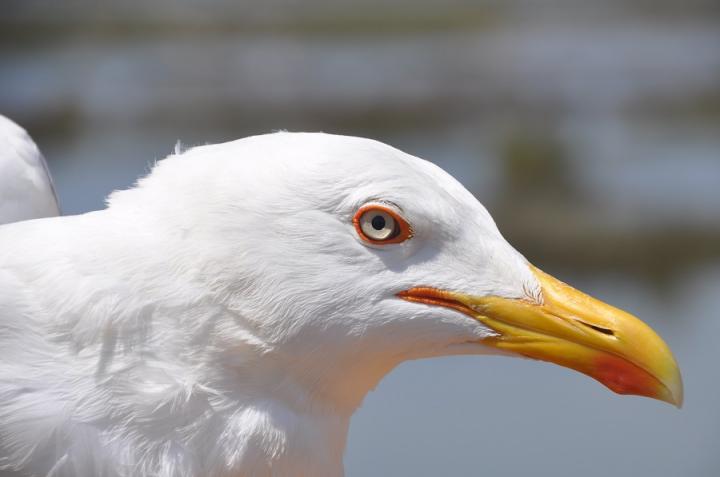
(228, 314)
(341, 257)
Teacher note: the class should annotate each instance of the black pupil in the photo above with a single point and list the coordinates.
(378, 222)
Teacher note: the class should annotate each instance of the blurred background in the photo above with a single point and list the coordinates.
(590, 130)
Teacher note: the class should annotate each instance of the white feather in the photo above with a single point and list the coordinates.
(222, 318)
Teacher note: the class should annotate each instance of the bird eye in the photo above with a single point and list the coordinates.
(378, 224)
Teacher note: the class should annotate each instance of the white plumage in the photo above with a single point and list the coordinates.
(224, 318)
(26, 190)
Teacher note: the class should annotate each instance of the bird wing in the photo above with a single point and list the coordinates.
(26, 190)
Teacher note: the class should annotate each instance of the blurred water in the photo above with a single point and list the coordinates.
(592, 87)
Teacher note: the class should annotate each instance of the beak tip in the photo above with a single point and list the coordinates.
(670, 389)
(674, 390)
(675, 401)
(677, 392)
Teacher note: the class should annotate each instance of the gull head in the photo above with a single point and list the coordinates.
(340, 257)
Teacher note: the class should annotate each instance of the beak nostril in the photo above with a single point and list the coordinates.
(599, 329)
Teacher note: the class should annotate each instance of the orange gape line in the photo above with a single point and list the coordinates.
(405, 229)
(433, 296)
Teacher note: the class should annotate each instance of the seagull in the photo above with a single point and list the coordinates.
(26, 190)
(228, 314)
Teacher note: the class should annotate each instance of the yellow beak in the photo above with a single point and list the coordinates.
(569, 328)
